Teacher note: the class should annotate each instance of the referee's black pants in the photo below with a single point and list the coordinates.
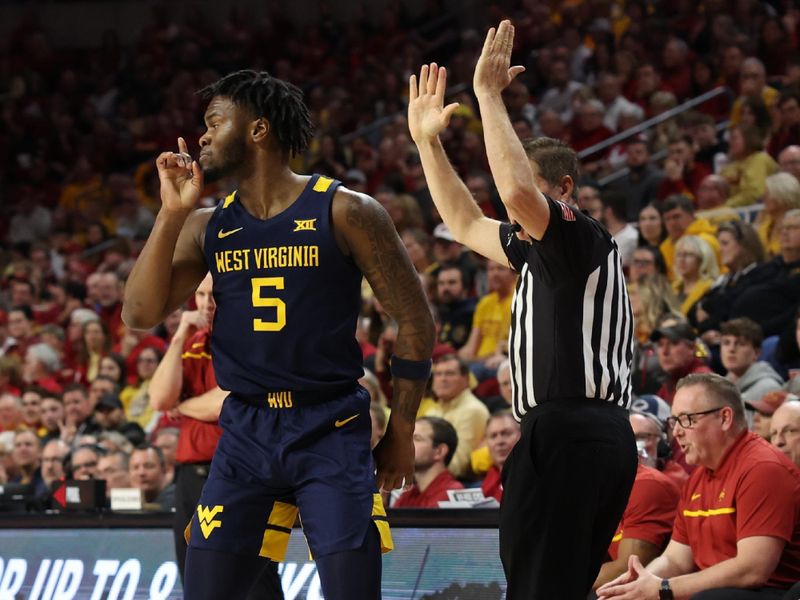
(565, 487)
(189, 481)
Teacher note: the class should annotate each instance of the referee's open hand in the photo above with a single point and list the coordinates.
(494, 72)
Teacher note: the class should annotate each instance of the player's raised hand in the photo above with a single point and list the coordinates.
(494, 72)
(427, 115)
(181, 179)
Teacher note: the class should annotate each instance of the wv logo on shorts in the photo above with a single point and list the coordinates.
(207, 521)
(305, 225)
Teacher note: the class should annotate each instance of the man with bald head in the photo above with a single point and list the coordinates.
(753, 84)
(784, 431)
(711, 197)
(789, 160)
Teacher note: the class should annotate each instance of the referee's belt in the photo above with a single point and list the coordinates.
(294, 398)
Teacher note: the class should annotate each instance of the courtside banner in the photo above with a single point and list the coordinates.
(128, 564)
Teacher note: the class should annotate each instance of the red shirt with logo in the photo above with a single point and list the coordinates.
(492, 486)
(198, 439)
(650, 512)
(754, 492)
(436, 491)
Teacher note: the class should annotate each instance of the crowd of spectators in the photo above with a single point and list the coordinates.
(709, 236)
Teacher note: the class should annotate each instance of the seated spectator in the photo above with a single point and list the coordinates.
(609, 92)
(764, 408)
(753, 84)
(78, 409)
(640, 184)
(502, 434)
(149, 474)
(20, 331)
(435, 442)
(788, 133)
(772, 301)
(447, 251)
(707, 143)
(96, 345)
(789, 160)
(676, 347)
(10, 371)
(490, 323)
(110, 416)
(458, 405)
(682, 175)
(113, 367)
(680, 220)
(651, 228)
(589, 202)
(52, 415)
(501, 402)
(167, 440)
(53, 455)
(741, 253)
(652, 299)
(558, 97)
(136, 399)
(736, 527)
(27, 455)
(782, 194)
(83, 462)
(696, 271)
(711, 198)
(645, 526)
(740, 348)
(456, 309)
(749, 166)
(614, 217)
(32, 409)
(588, 130)
(784, 430)
(41, 367)
(650, 429)
(113, 468)
(10, 412)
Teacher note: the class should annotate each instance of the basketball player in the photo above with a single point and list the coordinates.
(287, 254)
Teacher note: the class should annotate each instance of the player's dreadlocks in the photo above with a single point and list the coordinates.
(280, 102)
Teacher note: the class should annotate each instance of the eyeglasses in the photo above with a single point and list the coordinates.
(786, 432)
(688, 420)
(86, 465)
(643, 437)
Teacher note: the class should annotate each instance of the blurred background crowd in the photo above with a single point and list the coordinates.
(703, 200)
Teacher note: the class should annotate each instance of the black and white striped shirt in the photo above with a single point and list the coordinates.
(571, 322)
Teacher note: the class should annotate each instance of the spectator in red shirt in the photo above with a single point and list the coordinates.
(41, 367)
(649, 432)
(676, 349)
(682, 175)
(784, 430)
(737, 528)
(435, 442)
(502, 434)
(676, 73)
(646, 523)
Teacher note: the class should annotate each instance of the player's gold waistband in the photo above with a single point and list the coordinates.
(293, 398)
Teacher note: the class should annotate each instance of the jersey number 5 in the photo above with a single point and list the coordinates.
(259, 302)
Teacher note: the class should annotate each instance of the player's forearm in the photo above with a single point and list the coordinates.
(507, 159)
(167, 381)
(610, 571)
(205, 407)
(148, 286)
(451, 197)
(415, 339)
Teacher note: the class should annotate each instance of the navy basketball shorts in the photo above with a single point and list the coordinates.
(284, 453)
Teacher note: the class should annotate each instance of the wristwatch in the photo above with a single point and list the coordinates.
(665, 592)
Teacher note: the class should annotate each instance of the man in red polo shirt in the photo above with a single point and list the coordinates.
(435, 442)
(646, 523)
(737, 531)
(185, 379)
(502, 434)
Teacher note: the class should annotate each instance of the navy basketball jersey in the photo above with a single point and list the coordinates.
(287, 298)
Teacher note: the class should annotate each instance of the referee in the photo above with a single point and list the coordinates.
(567, 481)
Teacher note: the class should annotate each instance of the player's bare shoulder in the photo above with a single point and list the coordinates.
(355, 213)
